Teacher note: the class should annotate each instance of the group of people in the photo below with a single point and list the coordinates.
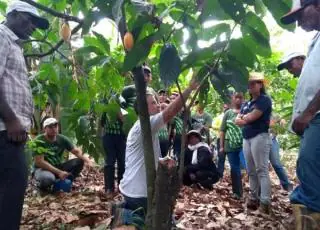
(245, 127)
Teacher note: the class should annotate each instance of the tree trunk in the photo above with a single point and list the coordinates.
(166, 192)
(147, 139)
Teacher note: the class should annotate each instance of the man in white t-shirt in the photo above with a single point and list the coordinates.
(133, 185)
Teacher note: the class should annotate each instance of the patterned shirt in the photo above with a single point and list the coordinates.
(178, 125)
(163, 134)
(53, 151)
(114, 128)
(14, 78)
(233, 133)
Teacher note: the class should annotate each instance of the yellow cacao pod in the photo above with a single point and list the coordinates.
(65, 32)
(128, 41)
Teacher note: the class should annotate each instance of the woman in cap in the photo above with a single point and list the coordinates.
(199, 167)
(254, 118)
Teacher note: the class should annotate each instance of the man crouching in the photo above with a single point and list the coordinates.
(48, 159)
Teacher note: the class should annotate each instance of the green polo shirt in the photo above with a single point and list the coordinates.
(53, 152)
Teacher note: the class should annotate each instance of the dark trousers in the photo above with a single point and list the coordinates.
(164, 147)
(204, 177)
(234, 160)
(115, 150)
(221, 159)
(13, 182)
(46, 178)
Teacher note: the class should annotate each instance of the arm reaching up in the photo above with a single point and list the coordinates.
(177, 104)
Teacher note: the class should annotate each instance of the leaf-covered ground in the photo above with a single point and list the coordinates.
(195, 209)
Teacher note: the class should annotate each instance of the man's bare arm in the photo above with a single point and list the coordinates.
(40, 162)
(313, 107)
(302, 121)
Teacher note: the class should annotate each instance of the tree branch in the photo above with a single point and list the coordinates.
(53, 12)
(56, 47)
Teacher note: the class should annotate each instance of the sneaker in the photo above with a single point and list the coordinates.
(265, 208)
(252, 204)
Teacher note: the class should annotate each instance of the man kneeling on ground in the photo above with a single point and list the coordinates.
(49, 165)
(133, 185)
(199, 166)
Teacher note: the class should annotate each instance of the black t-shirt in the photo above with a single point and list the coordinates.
(261, 125)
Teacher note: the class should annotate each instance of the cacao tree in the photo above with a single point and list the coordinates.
(81, 73)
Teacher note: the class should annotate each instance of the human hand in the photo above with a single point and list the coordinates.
(63, 175)
(301, 123)
(221, 150)
(240, 122)
(16, 132)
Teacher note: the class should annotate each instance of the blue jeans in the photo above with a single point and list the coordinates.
(277, 165)
(234, 160)
(138, 205)
(13, 182)
(308, 168)
(242, 160)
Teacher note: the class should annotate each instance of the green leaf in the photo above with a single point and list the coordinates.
(97, 42)
(3, 7)
(234, 8)
(97, 61)
(129, 120)
(48, 72)
(239, 51)
(139, 52)
(215, 31)
(169, 64)
(256, 35)
(59, 5)
(85, 51)
(103, 42)
(235, 74)
(278, 8)
(212, 10)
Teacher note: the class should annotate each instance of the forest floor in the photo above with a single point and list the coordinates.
(86, 207)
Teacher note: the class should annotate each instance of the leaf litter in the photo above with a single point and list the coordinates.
(87, 208)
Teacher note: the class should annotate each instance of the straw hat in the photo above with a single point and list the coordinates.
(254, 76)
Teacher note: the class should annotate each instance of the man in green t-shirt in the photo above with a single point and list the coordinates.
(48, 158)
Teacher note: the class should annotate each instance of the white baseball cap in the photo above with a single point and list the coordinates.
(297, 6)
(20, 6)
(287, 58)
(50, 121)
